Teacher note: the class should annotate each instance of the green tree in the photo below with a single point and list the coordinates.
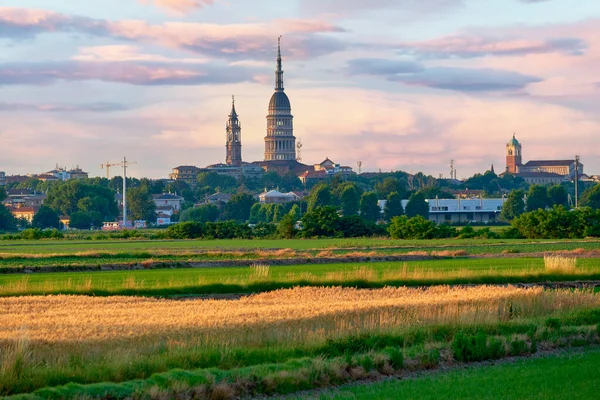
(2, 194)
(278, 212)
(350, 201)
(389, 185)
(296, 212)
(75, 195)
(80, 220)
(393, 206)
(537, 198)
(140, 204)
(271, 180)
(239, 206)
(215, 181)
(205, 213)
(320, 196)
(287, 226)
(255, 214)
(290, 182)
(369, 209)
(46, 218)
(558, 196)
(417, 206)
(412, 228)
(321, 221)
(514, 205)
(7, 220)
(591, 197)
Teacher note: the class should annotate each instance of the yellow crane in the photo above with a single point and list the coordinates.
(107, 166)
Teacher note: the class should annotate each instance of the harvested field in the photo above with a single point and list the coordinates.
(284, 316)
(87, 339)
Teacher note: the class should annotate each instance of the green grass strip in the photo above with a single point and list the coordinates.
(568, 376)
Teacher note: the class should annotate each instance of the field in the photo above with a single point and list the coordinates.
(261, 277)
(223, 319)
(541, 378)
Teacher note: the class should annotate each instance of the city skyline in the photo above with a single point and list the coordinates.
(399, 85)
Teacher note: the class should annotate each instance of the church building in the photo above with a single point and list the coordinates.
(539, 171)
(280, 144)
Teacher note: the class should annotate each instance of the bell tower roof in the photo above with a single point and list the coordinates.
(514, 141)
(233, 113)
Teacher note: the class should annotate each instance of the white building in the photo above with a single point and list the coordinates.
(2, 178)
(276, 197)
(168, 201)
(452, 211)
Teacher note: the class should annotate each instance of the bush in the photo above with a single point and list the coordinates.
(476, 347)
(396, 358)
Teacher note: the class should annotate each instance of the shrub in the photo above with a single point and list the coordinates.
(518, 347)
(476, 347)
(396, 358)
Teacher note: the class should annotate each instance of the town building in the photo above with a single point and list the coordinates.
(167, 201)
(218, 199)
(16, 179)
(185, 173)
(24, 213)
(62, 174)
(456, 211)
(276, 197)
(19, 198)
(539, 171)
(167, 205)
(2, 178)
(324, 171)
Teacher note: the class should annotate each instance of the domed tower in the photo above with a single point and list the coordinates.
(280, 143)
(234, 138)
(513, 156)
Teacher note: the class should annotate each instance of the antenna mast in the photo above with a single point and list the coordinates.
(576, 181)
(299, 146)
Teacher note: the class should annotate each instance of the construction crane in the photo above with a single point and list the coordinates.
(107, 166)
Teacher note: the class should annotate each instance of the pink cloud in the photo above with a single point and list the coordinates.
(180, 6)
(234, 41)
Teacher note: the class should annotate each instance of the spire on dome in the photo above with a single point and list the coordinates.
(279, 72)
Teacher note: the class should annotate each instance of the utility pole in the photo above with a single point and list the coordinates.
(125, 164)
(576, 182)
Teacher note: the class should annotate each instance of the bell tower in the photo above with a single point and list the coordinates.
(513, 156)
(234, 138)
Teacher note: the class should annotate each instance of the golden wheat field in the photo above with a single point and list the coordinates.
(300, 314)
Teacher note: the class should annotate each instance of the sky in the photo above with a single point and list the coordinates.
(396, 84)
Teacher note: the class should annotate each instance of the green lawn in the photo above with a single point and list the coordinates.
(244, 279)
(572, 376)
